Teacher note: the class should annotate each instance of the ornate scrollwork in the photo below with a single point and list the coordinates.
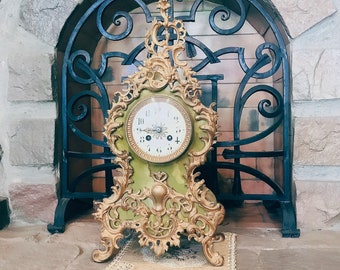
(161, 201)
(225, 15)
(116, 20)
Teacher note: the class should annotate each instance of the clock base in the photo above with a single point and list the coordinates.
(159, 215)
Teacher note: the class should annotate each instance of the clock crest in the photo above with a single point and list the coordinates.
(160, 133)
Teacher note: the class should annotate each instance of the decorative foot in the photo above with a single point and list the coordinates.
(289, 228)
(65, 209)
(59, 217)
(99, 255)
(109, 241)
(213, 257)
(4, 212)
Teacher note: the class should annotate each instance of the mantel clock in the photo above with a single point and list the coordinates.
(160, 133)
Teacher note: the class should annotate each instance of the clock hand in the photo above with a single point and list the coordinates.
(154, 130)
(148, 130)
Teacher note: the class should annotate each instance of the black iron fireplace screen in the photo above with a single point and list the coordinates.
(254, 145)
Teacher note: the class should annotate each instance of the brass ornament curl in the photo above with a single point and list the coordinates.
(159, 212)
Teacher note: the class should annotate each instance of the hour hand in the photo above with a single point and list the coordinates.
(153, 130)
(147, 130)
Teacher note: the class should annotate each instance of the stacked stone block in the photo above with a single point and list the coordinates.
(29, 31)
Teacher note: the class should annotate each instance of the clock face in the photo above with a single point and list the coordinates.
(159, 129)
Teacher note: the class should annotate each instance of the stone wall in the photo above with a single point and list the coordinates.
(29, 31)
(316, 94)
(27, 105)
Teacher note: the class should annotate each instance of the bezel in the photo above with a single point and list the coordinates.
(134, 144)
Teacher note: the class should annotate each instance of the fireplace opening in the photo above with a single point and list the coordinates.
(239, 52)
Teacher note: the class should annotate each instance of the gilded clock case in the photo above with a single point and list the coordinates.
(161, 201)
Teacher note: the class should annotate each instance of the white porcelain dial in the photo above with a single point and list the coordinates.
(159, 129)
